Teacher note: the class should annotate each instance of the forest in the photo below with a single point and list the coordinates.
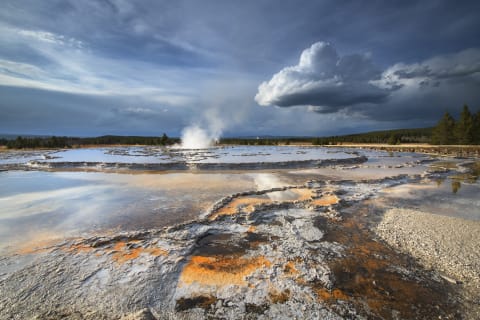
(72, 142)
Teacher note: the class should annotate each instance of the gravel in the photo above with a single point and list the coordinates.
(446, 244)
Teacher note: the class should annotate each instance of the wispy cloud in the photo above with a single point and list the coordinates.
(51, 38)
(74, 68)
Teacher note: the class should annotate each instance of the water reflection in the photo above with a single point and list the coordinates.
(456, 185)
(44, 205)
(141, 154)
(439, 181)
(453, 198)
(457, 179)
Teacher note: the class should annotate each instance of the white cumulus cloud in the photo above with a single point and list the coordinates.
(324, 79)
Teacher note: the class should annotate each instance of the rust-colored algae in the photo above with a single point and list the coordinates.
(35, 248)
(43, 242)
(122, 254)
(327, 200)
(247, 204)
(237, 205)
(220, 271)
(121, 251)
(277, 296)
(32, 249)
(119, 246)
(80, 248)
(303, 193)
(290, 268)
(330, 296)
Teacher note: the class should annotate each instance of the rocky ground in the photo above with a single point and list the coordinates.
(446, 150)
(251, 257)
(447, 244)
(302, 251)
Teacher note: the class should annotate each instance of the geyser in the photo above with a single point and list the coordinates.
(194, 137)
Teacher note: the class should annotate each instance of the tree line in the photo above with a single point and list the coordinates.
(71, 142)
(464, 131)
(418, 135)
(448, 131)
(272, 141)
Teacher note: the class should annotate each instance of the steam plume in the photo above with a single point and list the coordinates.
(196, 137)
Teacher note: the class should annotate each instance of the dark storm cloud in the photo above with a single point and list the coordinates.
(131, 60)
(462, 64)
(329, 83)
(431, 87)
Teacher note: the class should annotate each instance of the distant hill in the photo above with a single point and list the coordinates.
(417, 135)
(8, 136)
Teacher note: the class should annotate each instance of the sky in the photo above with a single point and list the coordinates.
(235, 68)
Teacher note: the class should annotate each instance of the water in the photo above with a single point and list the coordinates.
(254, 154)
(448, 197)
(39, 205)
(36, 205)
(237, 154)
(11, 157)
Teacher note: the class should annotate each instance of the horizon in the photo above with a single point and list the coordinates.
(15, 135)
(234, 69)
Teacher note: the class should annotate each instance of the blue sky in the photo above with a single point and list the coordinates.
(234, 67)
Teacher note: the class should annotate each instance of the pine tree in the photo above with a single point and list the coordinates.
(464, 127)
(164, 139)
(476, 128)
(443, 131)
(393, 139)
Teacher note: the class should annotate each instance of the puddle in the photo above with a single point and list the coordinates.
(468, 177)
(216, 244)
(37, 206)
(446, 196)
(450, 165)
(158, 155)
